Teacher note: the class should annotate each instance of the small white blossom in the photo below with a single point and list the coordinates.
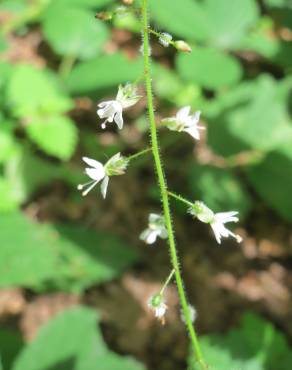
(185, 122)
(157, 304)
(156, 228)
(164, 39)
(217, 221)
(192, 312)
(112, 110)
(116, 165)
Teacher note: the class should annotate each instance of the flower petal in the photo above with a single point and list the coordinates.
(119, 119)
(95, 174)
(92, 162)
(183, 113)
(193, 131)
(104, 186)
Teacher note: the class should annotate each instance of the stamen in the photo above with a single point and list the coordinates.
(89, 188)
(82, 186)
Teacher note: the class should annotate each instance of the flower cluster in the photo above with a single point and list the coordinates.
(183, 121)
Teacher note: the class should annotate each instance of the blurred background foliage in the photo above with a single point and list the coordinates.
(56, 62)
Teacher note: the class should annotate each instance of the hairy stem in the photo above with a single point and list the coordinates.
(163, 188)
(181, 199)
(139, 154)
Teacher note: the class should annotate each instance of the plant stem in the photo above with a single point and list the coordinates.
(167, 281)
(66, 66)
(163, 189)
(136, 155)
(181, 199)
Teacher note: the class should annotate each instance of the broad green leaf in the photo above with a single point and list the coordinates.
(229, 21)
(263, 123)
(84, 3)
(202, 66)
(26, 253)
(278, 3)
(72, 340)
(73, 31)
(55, 135)
(184, 18)
(219, 189)
(206, 21)
(253, 115)
(31, 93)
(10, 344)
(8, 144)
(5, 73)
(56, 256)
(26, 172)
(8, 201)
(89, 257)
(103, 72)
(272, 179)
(255, 345)
(13, 6)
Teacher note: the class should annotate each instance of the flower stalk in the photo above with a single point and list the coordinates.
(163, 188)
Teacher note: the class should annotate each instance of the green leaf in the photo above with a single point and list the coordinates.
(263, 122)
(219, 189)
(76, 32)
(41, 98)
(72, 340)
(272, 179)
(8, 144)
(5, 73)
(85, 3)
(8, 201)
(59, 257)
(25, 173)
(103, 72)
(206, 21)
(255, 345)
(10, 344)
(229, 21)
(55, 135)
(26, 256)
(89, 257)
(184, 18)
(202, 66)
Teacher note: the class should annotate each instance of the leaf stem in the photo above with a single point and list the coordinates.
(66, 65)
(181, 199)
(167, 281)
(163, 189)
(136, 155)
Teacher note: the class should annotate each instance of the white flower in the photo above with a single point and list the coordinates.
(156, 227)
(184, 122)
(157, 304)
(164, 39)
(192, 313)
(116, 165)
(217, 221)
(112, 110)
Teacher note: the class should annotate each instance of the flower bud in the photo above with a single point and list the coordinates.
(116, 165)
(182, 46)
(202, 212)
(104, 16)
